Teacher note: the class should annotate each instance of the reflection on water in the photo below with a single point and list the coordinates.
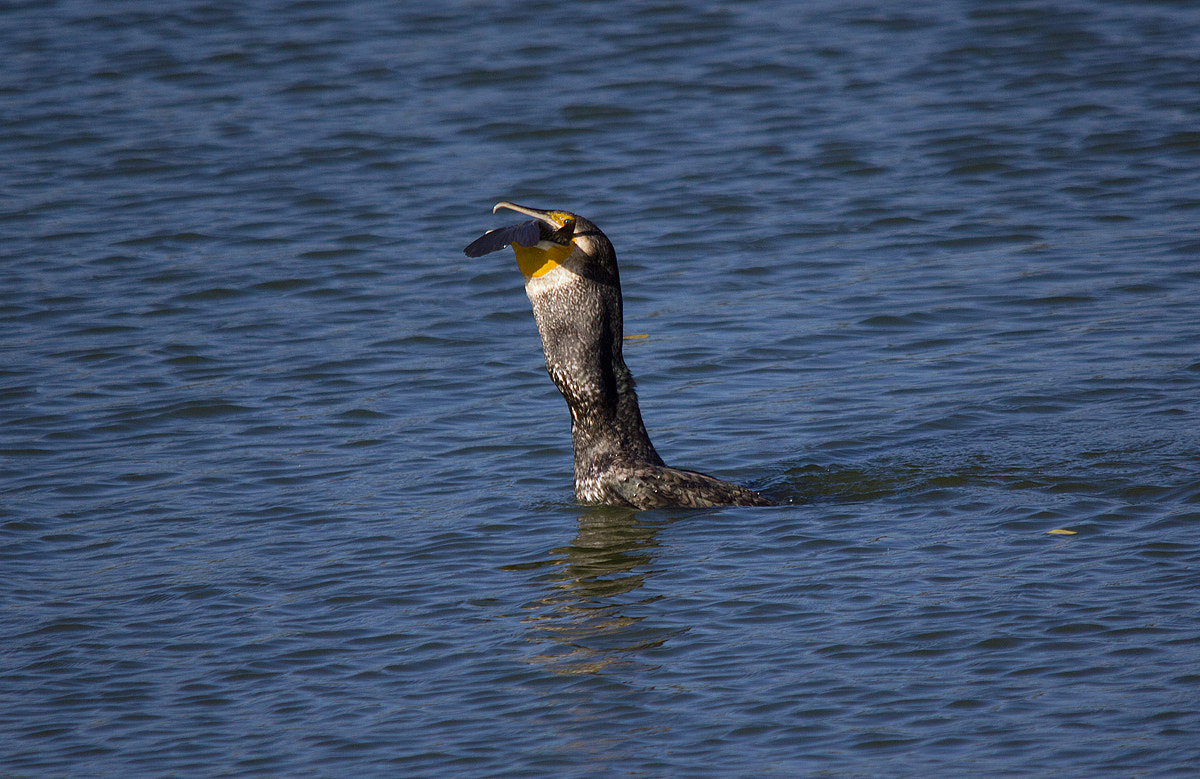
(587, 621)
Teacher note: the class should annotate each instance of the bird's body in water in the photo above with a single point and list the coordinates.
(571, 278)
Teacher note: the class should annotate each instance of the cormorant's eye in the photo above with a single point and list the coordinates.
(564, 234)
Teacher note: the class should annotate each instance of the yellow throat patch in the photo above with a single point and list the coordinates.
(539, 260)
(535, 261)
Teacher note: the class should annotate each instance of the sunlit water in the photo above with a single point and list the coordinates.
(285, 490)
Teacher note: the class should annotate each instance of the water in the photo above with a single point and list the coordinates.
(286, 491)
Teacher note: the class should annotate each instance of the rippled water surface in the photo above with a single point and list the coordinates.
(285, 490)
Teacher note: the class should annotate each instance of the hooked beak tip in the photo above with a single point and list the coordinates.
(536, 213)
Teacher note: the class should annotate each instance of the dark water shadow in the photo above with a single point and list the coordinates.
(592, 617)
(839, 483)
(930, 480)
(1157, 469)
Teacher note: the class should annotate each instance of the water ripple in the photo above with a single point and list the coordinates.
(284, 488)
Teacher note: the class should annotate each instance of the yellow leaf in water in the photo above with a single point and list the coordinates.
(1061, 532)
(640, 335)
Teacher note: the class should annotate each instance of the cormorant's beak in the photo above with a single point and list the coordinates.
(540, 245)
(536, 213)
(562, 223)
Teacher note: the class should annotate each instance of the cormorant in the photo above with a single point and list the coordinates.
(571, 279)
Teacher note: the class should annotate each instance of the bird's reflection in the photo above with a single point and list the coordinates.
(591, 618)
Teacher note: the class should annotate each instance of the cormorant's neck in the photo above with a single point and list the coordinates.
(579, 319)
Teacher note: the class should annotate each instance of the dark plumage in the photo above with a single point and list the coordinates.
(573, 284)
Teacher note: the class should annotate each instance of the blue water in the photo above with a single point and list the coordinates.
(285, 490)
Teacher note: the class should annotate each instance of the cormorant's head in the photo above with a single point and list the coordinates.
(550, 240)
